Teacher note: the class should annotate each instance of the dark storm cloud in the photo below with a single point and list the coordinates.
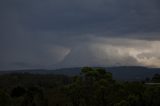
(116, 16)
(46, 32)
(92, 16)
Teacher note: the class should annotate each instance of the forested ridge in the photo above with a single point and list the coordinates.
(93, 87)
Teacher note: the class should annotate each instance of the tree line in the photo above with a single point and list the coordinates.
(93, 87)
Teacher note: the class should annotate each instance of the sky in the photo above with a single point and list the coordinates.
(53, 34)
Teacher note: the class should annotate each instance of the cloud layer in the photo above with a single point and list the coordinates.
(60, 33)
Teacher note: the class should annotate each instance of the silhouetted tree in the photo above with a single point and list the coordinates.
(18, 91)
(5, 99)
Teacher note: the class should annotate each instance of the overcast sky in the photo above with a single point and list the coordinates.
(73, 33)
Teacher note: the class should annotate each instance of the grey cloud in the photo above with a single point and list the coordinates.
(98, 54)
(121, 16)
(60, 32)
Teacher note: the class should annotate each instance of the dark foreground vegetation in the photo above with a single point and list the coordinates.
(94, 87)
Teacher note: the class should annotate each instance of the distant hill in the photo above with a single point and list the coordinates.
(132, 72)
(119, 73)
